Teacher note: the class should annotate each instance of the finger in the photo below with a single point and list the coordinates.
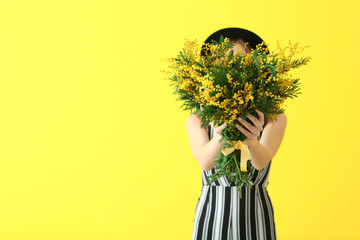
(222, 126)
(249, 127)
(243, 130)
(255, 121)
(261, 116)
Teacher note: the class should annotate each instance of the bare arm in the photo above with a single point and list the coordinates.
(203, 149)
(262, 152)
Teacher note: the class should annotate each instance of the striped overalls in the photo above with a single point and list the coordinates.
(220, 213)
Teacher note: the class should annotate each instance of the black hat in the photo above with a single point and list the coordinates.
(235, 33)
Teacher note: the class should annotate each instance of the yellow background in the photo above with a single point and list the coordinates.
(94, 145)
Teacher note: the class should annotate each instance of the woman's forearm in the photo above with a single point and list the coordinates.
(207, 153)
(259, 155)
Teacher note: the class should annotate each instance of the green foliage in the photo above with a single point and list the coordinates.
(259, 81)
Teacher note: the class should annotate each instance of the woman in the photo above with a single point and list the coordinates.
(220, 213)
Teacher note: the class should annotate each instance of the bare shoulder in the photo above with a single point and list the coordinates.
(193, 125)
(193, 117)
(273, 133)
(280, 119)
(193, 121)
(198, 136)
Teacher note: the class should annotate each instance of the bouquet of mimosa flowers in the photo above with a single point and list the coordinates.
(228, 86)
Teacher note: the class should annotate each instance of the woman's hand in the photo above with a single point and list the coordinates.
(252, 131)
(217, 129)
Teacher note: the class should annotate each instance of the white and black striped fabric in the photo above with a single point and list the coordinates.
(220, 213)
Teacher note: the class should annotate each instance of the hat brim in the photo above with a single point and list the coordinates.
(235, 33)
